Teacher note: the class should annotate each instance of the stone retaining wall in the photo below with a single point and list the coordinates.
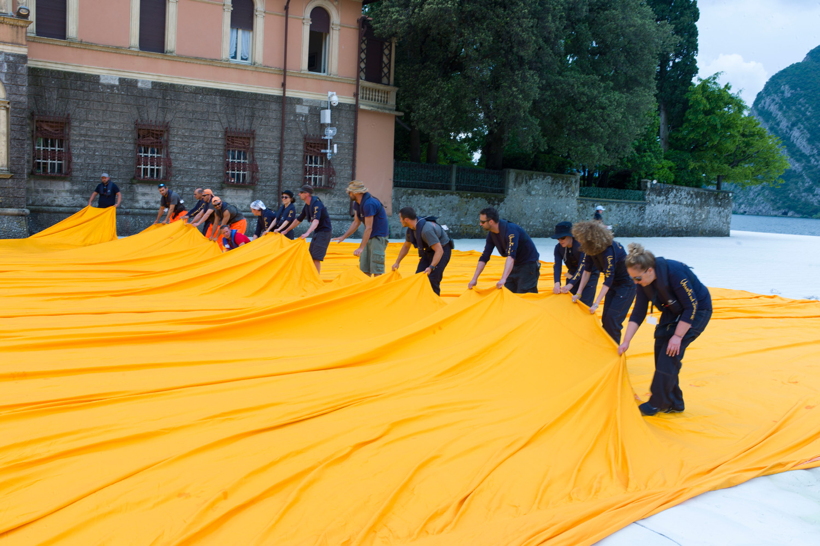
(538, 201)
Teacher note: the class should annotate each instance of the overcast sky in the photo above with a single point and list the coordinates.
(751, 40)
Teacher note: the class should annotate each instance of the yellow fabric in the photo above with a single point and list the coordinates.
(90, 226)
(156, 391)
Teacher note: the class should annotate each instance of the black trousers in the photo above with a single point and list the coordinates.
(524, 278)
(616, 305)
(588, 296)
(665, 387)
(436, 276)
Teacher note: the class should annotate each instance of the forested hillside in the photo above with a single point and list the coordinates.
(789, 107)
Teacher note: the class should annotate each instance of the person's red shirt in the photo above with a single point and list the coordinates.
(235, 240)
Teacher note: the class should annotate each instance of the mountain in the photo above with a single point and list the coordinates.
(789, 107)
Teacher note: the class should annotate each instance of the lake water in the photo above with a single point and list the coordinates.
(776, 224)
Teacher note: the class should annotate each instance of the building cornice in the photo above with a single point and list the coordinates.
(14, 21)
(179, 58)
(178, 80)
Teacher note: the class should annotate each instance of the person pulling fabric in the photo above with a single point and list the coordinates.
(568, 251)
(433, 243)
(608, 256)
(686, 307)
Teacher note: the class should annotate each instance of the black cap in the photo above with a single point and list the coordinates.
(563, 229)
(306, 189)
(288, 193)
(161, 185)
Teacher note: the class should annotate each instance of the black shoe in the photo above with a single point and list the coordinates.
(674, 410)
(648, 409)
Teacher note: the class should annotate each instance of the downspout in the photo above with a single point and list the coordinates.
(358, 87)
(284, 100)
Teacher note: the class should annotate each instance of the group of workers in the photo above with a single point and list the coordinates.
(587, 249)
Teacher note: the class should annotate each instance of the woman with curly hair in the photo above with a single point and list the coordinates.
(608, 256)
(686, 308)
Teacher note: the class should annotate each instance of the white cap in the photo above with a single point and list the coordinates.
(599, 207)
(258, 205)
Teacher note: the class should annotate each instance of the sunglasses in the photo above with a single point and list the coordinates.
(639, 278)
(217, 205)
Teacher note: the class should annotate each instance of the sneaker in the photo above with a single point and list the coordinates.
(674, 410)
(648, 409)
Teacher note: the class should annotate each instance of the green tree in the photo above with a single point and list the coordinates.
(719, 142)
(594, 107)
(569, 78)
(677, 66)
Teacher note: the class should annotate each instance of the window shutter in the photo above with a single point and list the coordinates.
(152, 25)
(320, 21)
(51, 18)
(242, 14)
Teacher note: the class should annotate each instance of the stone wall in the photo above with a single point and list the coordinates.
(538, 201)
(13, 74)
(103, 110)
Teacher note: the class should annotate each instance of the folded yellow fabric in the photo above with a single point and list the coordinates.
(156, 391)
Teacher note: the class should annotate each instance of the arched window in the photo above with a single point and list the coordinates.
(241, 31)
(318, 40)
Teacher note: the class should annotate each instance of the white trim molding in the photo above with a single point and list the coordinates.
(5, 131)
(134, 28)
(72, 19)
(171, 26)
(258, 32)
(197, 82)
(32, 6)
(227, 7)
(333, 38)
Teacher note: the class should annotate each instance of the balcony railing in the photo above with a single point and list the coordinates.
(376, 94)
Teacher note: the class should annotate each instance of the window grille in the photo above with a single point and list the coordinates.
(52, 149)
(240, 165)
(318, 170)
(153, 157)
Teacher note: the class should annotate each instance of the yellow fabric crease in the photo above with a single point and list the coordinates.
(156, 391)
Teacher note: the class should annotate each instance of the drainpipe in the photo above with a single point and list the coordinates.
(284, 100)
(358, 87)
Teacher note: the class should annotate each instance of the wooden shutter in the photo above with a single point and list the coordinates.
(152, 25)
(242, 14)
(51, 18)
(320, 21)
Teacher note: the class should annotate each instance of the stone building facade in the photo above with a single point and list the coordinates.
(14, 145)
(84, 92)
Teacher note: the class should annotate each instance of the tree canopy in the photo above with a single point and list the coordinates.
(718, 142)
(573, 78)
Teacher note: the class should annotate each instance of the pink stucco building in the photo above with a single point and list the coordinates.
(228, 93)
